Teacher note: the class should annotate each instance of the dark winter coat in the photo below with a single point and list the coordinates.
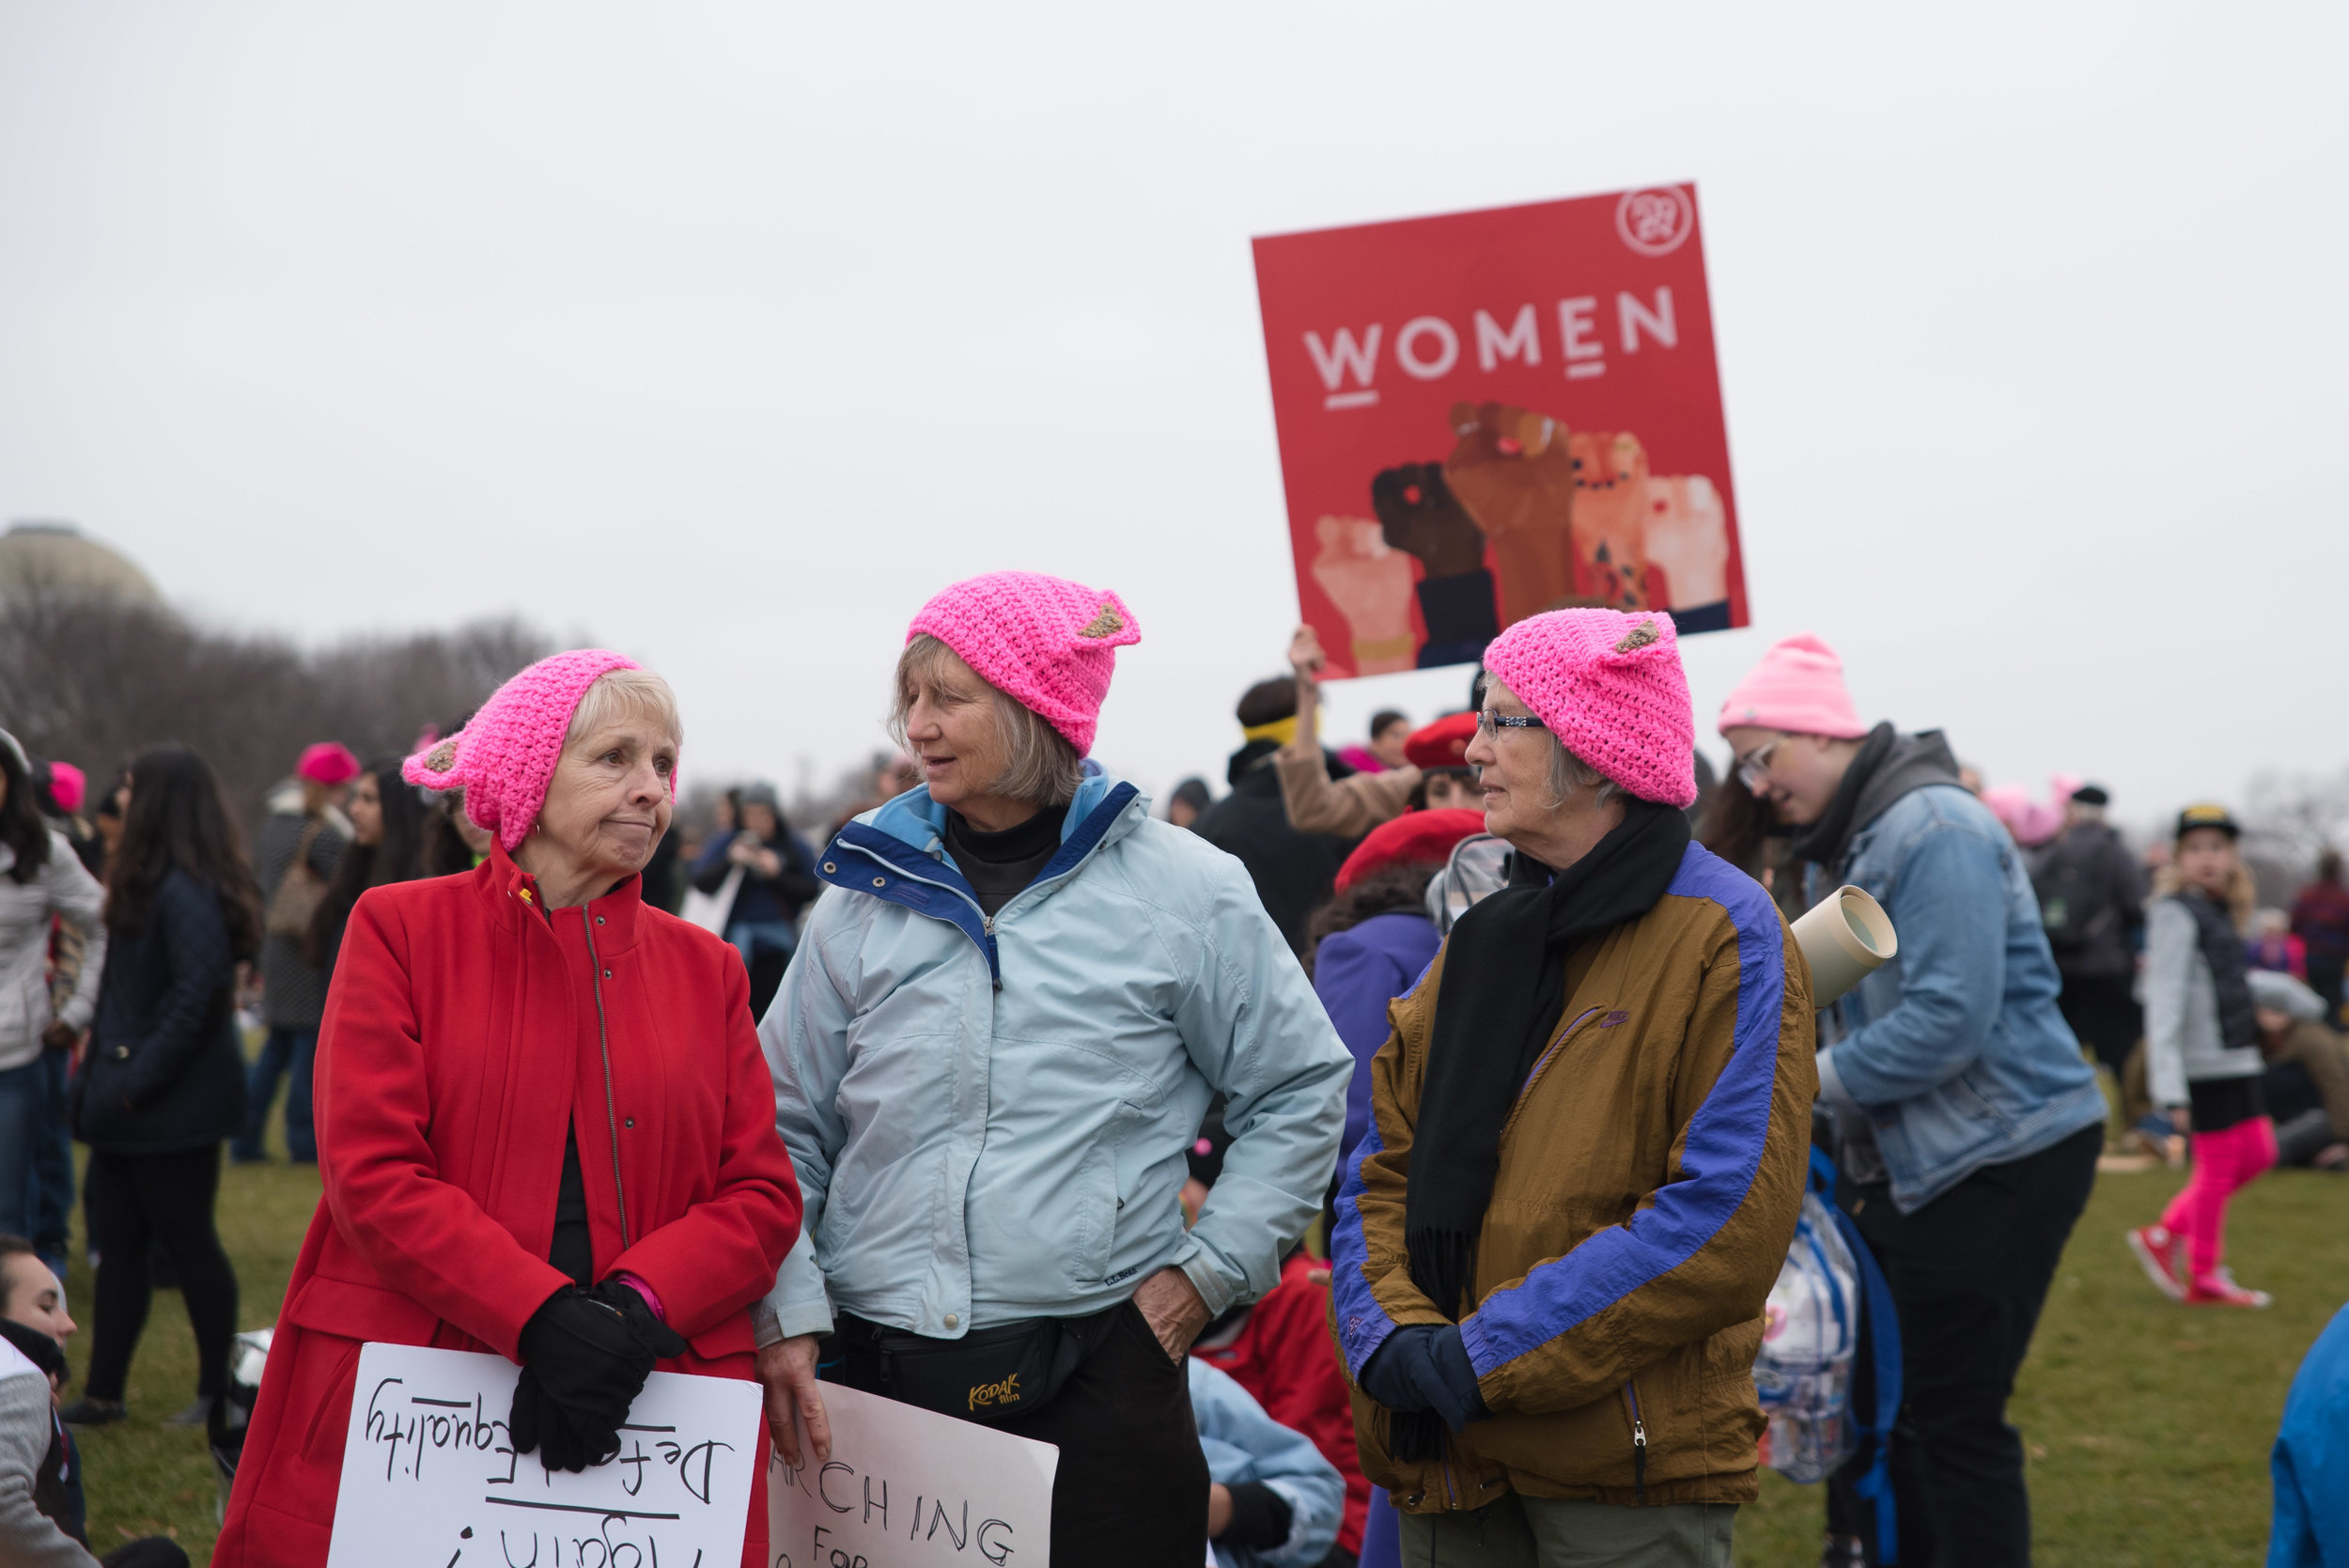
(1292, 871)
(163, 1074)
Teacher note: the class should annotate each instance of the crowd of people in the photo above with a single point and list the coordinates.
(1389, 1159)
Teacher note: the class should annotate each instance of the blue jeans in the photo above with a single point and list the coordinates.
(23, 1095)
(753, 937)
(287, 1053)
(51, 1209)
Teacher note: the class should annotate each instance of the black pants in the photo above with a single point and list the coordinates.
(1970, 1272)
(1132, 1488)
(2105, 1014)
(133, 1199)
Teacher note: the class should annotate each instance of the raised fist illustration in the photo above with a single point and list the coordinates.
(1512, 472)
(1419, 516)
(1687, 544)
(1370, 582)
(1610, 503)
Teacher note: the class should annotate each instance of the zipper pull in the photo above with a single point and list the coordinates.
(1639, 1462)
(987, 923)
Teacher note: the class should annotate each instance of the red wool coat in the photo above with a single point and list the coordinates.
(459, 1045)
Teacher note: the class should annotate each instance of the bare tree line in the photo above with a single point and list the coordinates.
(91, 680)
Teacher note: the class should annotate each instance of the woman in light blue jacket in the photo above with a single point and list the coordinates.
(1008, 1016)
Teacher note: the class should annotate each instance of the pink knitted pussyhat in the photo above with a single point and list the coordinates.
(504, 758)
(1049, 643)
(1611, 688)
(1798, 687)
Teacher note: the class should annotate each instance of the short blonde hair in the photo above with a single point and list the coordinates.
(621, 694)
(1039, 766)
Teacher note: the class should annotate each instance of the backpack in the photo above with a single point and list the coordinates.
(1811, 1344)
(2076, 896)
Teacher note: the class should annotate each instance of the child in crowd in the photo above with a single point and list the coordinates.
(1279, 1352)
(1273, 1501)
(2203, 1056)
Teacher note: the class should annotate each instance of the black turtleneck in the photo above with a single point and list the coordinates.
(999, 866)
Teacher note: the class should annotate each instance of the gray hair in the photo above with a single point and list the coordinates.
(1040, 766)
(1569, 775)
(618, 695)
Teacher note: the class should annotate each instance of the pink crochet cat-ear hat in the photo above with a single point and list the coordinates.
(505, 757)
(1049, 643)
(1609, 685)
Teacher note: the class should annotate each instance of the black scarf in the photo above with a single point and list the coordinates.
(1504, 986)
(1823, 841)
(2230, 972)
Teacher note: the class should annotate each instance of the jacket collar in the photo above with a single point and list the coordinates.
(897, 853)
(512, 894)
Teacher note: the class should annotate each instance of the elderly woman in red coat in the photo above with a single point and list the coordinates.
(544, 1125)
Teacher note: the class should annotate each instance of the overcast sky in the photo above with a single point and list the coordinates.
(724, 335)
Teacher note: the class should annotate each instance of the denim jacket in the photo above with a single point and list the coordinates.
(988, 1116)
(1954, 1053)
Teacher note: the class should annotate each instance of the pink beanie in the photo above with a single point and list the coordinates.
(1798, 687)
(1611, 688)
(504, 758)
(1048, 641)
(329, 763)
(67, 786)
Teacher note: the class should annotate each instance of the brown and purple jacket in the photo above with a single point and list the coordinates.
(1650, 1174)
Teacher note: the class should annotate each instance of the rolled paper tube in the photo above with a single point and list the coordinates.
(1846, 935)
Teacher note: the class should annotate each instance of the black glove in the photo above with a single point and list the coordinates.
(586, 1355)
(1425, 1367)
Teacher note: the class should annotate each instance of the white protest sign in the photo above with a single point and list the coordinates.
(907, 1488)
(430, 1477)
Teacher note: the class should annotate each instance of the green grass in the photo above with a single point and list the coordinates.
(2147, 1423)
(142, 1477)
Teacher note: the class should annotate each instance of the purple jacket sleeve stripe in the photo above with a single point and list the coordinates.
(1362, 1324)
(1722, 1150)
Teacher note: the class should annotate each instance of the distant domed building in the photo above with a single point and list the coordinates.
(58, 556)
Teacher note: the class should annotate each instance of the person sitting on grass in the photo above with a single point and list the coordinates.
(1273, 1500)
(41, 1474)
(2307, 1081)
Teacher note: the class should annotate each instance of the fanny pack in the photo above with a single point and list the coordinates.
(990, 1375)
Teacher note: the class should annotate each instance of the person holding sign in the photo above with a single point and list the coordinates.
(1002, 1028)
(1587, 1147)
(545, 1129)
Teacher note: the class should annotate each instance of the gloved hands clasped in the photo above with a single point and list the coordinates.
(1423, 1366)
(585, 1355)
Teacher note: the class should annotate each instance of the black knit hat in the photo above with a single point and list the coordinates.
(2092, 794)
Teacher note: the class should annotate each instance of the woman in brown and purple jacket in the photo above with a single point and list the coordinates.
(1589, 1134)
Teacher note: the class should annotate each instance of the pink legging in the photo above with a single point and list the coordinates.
(2225, 1163)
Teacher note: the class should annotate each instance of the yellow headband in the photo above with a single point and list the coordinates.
(1281, 730)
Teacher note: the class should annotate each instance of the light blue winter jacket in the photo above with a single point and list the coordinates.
(1243, 1444)
(1954, 1053)
(988, 1117)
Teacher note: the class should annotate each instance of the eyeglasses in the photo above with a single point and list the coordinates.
(1488, 722)
(1753, 768)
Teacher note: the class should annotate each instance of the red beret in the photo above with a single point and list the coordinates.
(329, 763)
(1415, 838)
(1441, 744)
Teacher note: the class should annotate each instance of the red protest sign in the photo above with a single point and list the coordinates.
(1486, 413)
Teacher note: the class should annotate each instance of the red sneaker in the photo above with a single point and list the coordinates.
(2218, 1289)
(2158, 1250)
